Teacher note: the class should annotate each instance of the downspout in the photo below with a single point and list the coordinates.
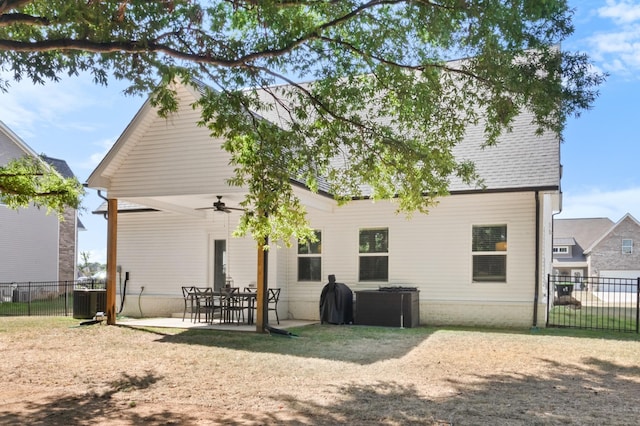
(553, 232)
(536, 288)
(104, 198)
(536, 292)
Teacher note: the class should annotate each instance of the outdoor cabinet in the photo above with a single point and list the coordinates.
(388, 307)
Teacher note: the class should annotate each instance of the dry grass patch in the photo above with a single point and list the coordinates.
(54, 372)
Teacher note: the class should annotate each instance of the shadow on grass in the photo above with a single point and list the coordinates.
(334, 342)
(344, 342)
(597, 393)
(91, 408)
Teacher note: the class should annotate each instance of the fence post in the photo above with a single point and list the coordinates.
(638, 305)
(66, 298)
(29, 299)
(548, 299)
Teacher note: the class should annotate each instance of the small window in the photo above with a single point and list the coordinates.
(310, 259)
(627, 246)
(374, 255)
(561, 250)
(489, 253)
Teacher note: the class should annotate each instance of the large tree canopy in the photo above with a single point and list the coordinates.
(385, 94)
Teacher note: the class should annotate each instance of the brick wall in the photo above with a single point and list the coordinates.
(488, 314)
(607, 254)
(67, 246)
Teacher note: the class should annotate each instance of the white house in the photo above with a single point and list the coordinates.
(480, 257)
(35, 246)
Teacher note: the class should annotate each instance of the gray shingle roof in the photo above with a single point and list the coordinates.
(564, 242)
(123, 206)
(61, 166)
(521, 159)
(584, 230)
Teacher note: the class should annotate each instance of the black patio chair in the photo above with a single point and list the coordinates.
(189, 301)
(272, 301)
(233, 305)
(205, 303)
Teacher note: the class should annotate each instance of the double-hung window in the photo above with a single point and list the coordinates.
(627, 246)
(489, 253)
(374, 254)
(310, 259)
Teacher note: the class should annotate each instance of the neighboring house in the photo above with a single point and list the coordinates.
(596, 247)
(480, 257)
(35, 246)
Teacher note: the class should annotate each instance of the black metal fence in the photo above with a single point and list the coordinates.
(43, 298)
(597, 303)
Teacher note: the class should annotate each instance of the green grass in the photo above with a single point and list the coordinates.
(618, 319)
(323, 340)
(38, 307)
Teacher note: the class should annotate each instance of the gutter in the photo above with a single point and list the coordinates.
(536, 288)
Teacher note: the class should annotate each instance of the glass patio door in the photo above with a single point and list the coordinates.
(219, 264)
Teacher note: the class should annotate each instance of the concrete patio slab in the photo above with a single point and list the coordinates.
(188, 324)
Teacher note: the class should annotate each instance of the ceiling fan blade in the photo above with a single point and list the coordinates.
(220, 206)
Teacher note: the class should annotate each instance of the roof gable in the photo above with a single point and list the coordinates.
(130, 137)
(13, 146)
(626, 218)
(522, 160)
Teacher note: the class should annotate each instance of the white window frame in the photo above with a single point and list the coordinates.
(495, 252)
(373, 254)
(627, 248)
(561, 250)
(318, 255)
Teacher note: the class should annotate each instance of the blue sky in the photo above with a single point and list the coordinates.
(77, 121)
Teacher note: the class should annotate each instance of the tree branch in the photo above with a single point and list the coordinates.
(21, 18)
(133, 46)
(33, 194)
(10, 175)
(12, 4)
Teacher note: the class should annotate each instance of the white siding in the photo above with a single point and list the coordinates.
(28, 237)
(173, 157)
(8, 149)
(431, 252)
(164, 251)
(28, 245)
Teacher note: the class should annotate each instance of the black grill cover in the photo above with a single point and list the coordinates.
(336, 303)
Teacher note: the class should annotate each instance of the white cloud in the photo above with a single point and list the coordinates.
(52, 105)
(623, 11)
(596, 203)
(94, 159)
(617, 48)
